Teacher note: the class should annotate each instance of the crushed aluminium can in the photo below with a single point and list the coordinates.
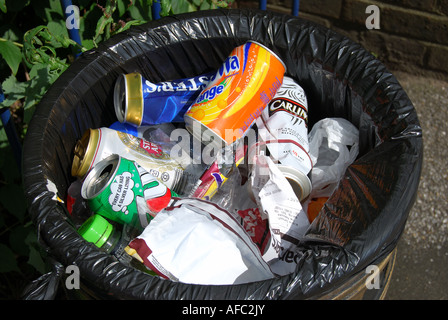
(97, 144)
(236, 95)
(141, 102)
(283, 132)
(121, 190)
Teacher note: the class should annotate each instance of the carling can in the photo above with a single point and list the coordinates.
(123, 191)
(97, 144)
(141, 102)
(283, 134)
(236, 95)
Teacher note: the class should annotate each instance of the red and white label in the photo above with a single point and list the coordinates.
(151, 148)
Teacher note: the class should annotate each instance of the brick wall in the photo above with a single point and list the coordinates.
(413, 34)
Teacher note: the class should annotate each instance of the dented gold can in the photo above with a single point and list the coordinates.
(97, 144)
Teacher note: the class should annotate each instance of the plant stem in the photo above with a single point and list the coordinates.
(16, 43)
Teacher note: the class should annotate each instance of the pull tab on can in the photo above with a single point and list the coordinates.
(141, 102)
(97, 144)
(123, 191)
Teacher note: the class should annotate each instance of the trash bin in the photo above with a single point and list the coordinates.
(360, 224)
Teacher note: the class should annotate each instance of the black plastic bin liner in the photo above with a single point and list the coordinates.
(360, 224)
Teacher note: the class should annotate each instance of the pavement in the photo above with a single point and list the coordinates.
(421, 267)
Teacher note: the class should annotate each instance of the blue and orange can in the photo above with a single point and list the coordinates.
(236, 94)
(140, 102)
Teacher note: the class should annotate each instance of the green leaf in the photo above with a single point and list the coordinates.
(13, 89)
(36, 70)
(56, 6)
(11, 85)
(182, 6)
(35, 257)
(59, 33)
(3, 144)
(30, 38)
(121, 8)
(28, 113)
(165, 8)
(3, 6)
(36, 260)
(206, 6)
(140, 11)
(129, 24)
(41, 79)
(12, 55)
(11, 32)
(88, 44)
(8, 261)
(101, 26)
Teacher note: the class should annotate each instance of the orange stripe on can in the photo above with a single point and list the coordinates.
(237, 94)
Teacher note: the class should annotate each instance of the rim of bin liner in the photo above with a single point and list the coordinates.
(361, 222)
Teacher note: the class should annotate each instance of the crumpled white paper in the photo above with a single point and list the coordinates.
(288, 221)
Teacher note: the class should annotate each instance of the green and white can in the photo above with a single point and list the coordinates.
(123, 191)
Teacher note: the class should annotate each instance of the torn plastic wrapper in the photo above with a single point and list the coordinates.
(334, 145)
(195, 241)
(361, 222)
(227, 160)
(256, 226)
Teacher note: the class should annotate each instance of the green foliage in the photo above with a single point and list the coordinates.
(12, 54)
(35, 49)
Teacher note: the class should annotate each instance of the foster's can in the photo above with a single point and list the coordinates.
(141, 102)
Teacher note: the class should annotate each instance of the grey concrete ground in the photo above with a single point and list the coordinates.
(421, 268)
